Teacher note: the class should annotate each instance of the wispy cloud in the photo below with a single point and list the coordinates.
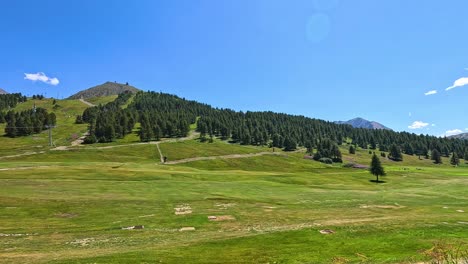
(418, 124)
(453, 132)
(431, 92)
(458, 83)
(410, 114)
(40, 76)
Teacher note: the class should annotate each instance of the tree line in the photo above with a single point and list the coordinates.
(8, 101)
(164, 115)
(28, 122)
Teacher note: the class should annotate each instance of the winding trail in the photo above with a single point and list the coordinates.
(192, 135)
(230, 156)
(160, 153)
(86, 102)
(22, 154)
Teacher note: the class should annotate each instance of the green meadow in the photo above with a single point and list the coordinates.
(79, 205)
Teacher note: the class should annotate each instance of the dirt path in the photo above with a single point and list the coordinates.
(231, 156)
(23, 154)
(86, 102)
(160, 153)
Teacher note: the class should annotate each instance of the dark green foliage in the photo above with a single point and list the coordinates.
(289, 144)
(326, 160)
(328, 149)
(38, 97)
(110, 121)
(28, 122)
(173, 116)
(454, 160)
(8, 101)
(395, 153)
(376, 167)
(90, 139)
(382, 154)
(383, 147)
(2, 117)
(466, 155)
(10, 128)
(79, 119)
(352, 150)
(436, 157)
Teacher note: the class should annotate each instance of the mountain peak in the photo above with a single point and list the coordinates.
(105, 89)
(3, 91)
(460, 136)
(360, 122)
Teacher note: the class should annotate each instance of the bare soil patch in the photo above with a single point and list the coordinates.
(66, 215)
(133, 227)
(220, 218)
(183, 209)
(326, 231)
(396, 206)
(188, 228)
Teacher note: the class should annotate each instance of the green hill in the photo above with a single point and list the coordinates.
(105, 89)
(219, 200)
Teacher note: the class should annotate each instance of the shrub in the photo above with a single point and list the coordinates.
(326, 160)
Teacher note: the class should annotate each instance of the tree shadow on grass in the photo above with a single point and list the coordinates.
(379, 181)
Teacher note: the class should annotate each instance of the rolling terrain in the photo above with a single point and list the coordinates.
(363, 123)
(216, 202)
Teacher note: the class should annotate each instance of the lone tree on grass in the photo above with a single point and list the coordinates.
(454, 160)
(376, 167)
(435, 156)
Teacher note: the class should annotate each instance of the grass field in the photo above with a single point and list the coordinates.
(73, 205)
(70, 207)
(65, 132)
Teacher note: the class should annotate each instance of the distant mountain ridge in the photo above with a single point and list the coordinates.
(460, 136)
(3, 91)
(363, 123)
(105, 89)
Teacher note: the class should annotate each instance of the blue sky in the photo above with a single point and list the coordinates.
(326, 59)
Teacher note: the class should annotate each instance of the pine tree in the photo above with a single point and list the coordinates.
(466, 155)
(436, 157)
(376, 167)
(395, 153)
(10, 128)
(454, 160)
(289, 144)
(352, 150)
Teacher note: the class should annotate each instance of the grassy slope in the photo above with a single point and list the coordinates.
(102, 99)
(76, 205)
(63, 134)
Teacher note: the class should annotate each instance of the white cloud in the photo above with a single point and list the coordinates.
(458, 83)
(466, 129)
(418, 124)
(452, 132)
(40, 76)
(410, 114)
(431, 92)
(433, 125)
